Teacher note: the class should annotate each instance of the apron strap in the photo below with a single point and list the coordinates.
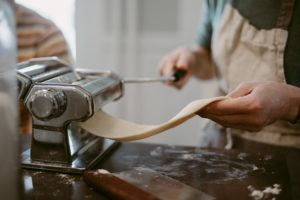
(286, 13)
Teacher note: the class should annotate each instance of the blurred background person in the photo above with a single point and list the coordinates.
(37, 36)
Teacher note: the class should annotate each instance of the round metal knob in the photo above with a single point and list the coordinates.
(46, 104)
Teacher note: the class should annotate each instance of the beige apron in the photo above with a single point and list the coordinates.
(243, 53)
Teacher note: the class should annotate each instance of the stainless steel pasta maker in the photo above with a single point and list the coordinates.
(58, 96)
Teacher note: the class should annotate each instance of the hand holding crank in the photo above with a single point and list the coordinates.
(192, 61)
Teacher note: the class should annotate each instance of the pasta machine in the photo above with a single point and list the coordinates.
(58, 96)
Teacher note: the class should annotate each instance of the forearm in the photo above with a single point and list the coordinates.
(203, 68)
(293, 113)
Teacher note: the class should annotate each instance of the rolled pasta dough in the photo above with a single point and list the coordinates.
(107, 126)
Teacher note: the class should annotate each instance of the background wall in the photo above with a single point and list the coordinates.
(130, 37)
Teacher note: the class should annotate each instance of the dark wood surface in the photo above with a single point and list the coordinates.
(221, 174)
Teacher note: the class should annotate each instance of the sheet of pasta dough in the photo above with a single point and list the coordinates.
(107, 126)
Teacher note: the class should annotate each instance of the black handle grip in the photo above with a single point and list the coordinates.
(178, 74)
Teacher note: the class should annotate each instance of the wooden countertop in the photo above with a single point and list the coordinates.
(221, 174)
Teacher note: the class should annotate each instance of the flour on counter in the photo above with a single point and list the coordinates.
(255, 168)
(268, 157)
(187, 157)
(156, 152)
(268, 192)
(101, 171)
(242, 156)
(65, 178)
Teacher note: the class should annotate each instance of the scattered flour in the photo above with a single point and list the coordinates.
(101, 171)
(242, 156)
(156, 152)
(187, 157)
(66, 178)
(255, 168)
(267, 157)
(266, 193)
(212, 166)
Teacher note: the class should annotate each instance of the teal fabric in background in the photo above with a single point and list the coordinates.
(262, 14)
(212, 11)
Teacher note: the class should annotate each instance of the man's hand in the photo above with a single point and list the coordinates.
(195, 61)
(252, 106)
(181, 58)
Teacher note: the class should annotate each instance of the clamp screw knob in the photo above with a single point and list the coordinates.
(46, 104)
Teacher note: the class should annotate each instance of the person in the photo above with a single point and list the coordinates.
(252, 47)
(37, 37)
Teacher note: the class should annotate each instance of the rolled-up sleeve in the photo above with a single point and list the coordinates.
(204, 32)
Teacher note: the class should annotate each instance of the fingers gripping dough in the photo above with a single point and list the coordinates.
(104, 125)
